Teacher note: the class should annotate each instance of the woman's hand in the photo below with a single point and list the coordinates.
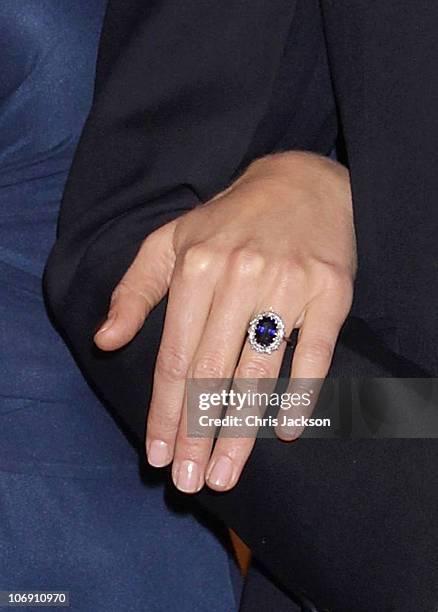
(281, 238)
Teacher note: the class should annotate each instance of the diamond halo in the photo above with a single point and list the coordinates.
(255, 334)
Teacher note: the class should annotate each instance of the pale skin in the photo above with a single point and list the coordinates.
(281, 238)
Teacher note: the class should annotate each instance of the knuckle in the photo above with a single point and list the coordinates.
(196, 260)
(345, 287)
(171, 364)
(162, 424)
(289, 271)
(208, 366)
(340, 286)
(337, 284)
(126, 291)
(254, 368)
(193, 449)
(247, 261)
(340, 279)
(336, 277)
(314, 351)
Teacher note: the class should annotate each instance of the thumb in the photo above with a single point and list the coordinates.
(144, 285)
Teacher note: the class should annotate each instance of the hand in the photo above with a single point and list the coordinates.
(280, 237)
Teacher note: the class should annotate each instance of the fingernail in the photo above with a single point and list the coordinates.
(187, 477)
(288, 433)
(108, 323)
(158, 453)
(221, 472)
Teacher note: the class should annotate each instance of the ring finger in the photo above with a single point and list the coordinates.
(231, 453)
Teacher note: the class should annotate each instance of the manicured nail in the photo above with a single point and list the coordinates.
(158, 453)
(187, 477)
(108, 323)
(221, 472)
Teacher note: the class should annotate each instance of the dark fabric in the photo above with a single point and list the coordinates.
(187, 94)
(261, 593)
(383, 59)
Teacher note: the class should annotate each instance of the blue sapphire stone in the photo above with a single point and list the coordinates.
(266, 331)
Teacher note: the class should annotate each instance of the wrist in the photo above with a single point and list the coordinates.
(300, 170)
